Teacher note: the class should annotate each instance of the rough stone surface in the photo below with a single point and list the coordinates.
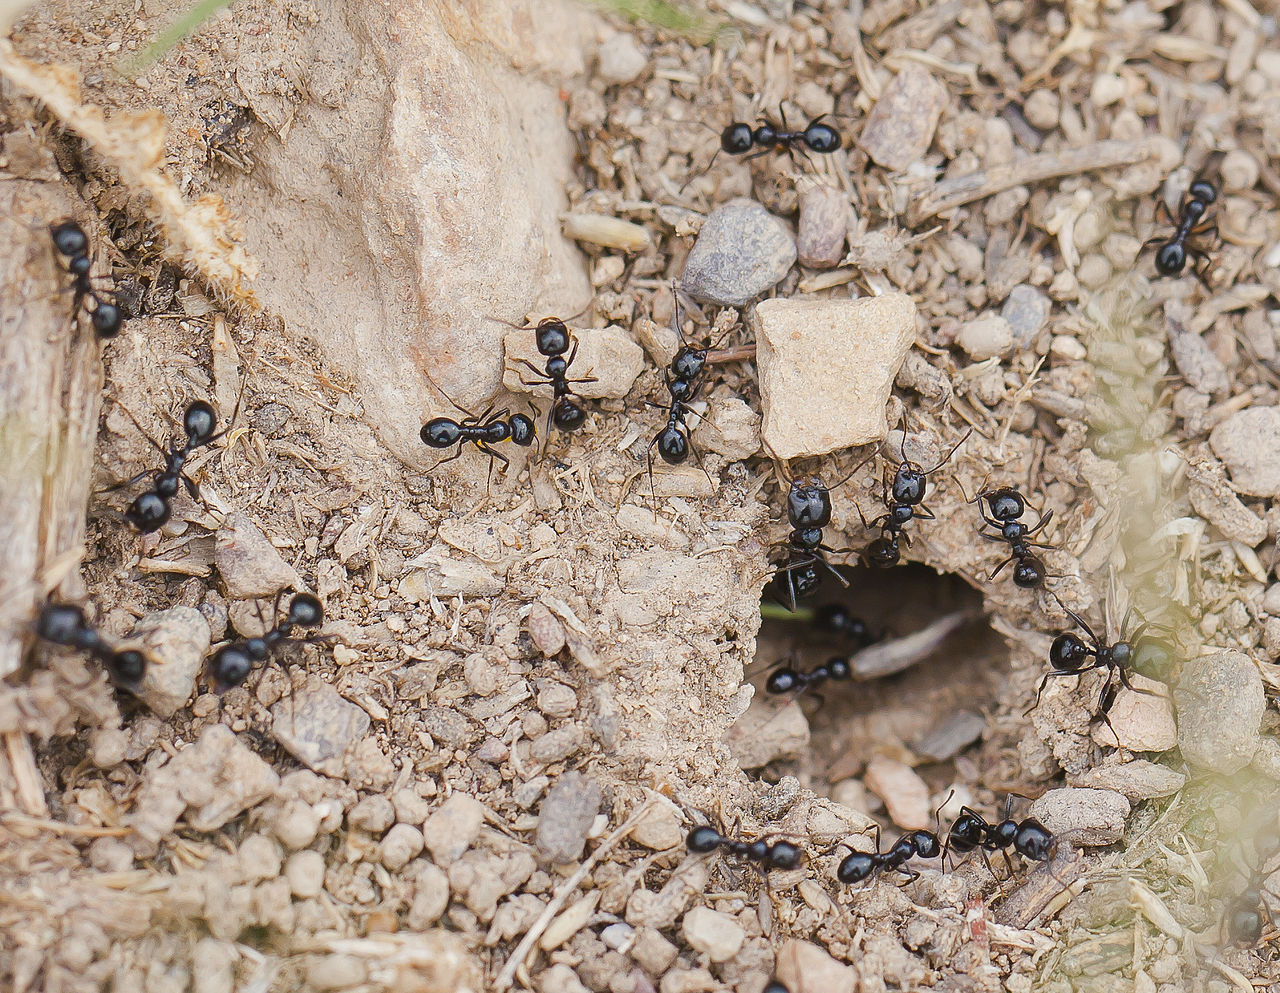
(1137, 780)
(1143, 721)
(1220, 702)
(317, 726)
(904, 793)
(741, 251)
(810, 407)
(1084, 817)
(1196, 362)
(803, 966)
(452, 829)
(1026, 309)
(986, 338)
(305, 873)
(715, 934)
(249, 564)
(660, 830)
(1214, 500)
(958, 731)
(824, 219)
(607, 355)
(430, 896)
(1245, 441)
(901, 124)
(401, 844)
(176, 641)
(566, 816)
(763, 734)
(729, 428)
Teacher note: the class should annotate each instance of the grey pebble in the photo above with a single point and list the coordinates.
(620, 59)
(271, 419)
(1137, 779)
(566, 816)
(900, 127)
(1245, 441)
(556, 745)
(1026, 309)
(958, 731)
(317, 726)
(741, 251)
(1086, 817)
(452, 829)
(249, 564)
(824, 219)
(177, 642)
(1196, 362)
(1220, 701)
(373, 814)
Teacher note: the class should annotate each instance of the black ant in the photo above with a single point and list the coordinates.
(65, 624)
(232, 663)
(73, 244)
(1189, 229)
(1004, 507)
(809, 511)
(740, 138)
(150, 511)
(904, 501)
(554, 339)
(1029, 838)
(780, 855)
(484, 431)
(857, 866)
(789, 680)
(835, 619)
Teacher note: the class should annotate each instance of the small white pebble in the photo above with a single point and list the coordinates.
(1066, 347)
(305, 873)
(1108, 88)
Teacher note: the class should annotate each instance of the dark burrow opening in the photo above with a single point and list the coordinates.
(901, 716)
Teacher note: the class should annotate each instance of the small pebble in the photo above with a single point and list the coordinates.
(900, 127)
(824, 219)
(985, 338)
(557, 745)
(1220, 702)
(815, 407)
(1271, 600)
(659, 829)
(296, 824)
(1239, 171)
(1245, 441)
(110, 855)
(611, 232)
(557, 700)
(1196, 361)
(716, 935)
(607, 355)
(249, 564)
(566, 816)
(1042, 109)
(213, 966)
(335, 972)
(108, 747)
(618, 936)
(1213, 499)
(317, 726)
(1137, 779)
(305, 873)
(452, 829)
(659, 340)
(410, 807)
(729, 428)
(545, 629)
(430, 896)
(177, 642)
(652, 952)
(620, 59)
(1067, 348)
(1086, 817)
(1026, 309)
(1143, 721)
(373, 814)
(1107, 88)
(259, 858)
(741, 251)
(905, 795)
(956, 733)
(401, 844)
(807, 968)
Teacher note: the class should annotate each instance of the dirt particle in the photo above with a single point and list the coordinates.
(453, 828)
(741, 251)
(566, 816)
(716, 935)
(249, 564)
(317, 726)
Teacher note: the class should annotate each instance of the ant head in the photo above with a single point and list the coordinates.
(230, 667)
(200, 422)
(69, 238)
(149, 512)
(822, 138)
(440, 432)
(703, 839)
(688, 363)
(736, 138)
(60, 623)
(522, 432)
(127, 669)
(1006, 504)
(1028, 573)
(107, 320)
(1203, 191)
(1068, 653)
(808, 504)
(553, 336)
(1171, 259)
(306, 611)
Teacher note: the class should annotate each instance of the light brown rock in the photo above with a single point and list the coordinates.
(1214, 500)
(807, 968)
(729, 428)
(1084, 817)
(824, 219)
(176, 642)
(1144, 722)
(249, 564)
(318, 726)
(1136, 780)
(905, 795)
(606, 355)
(901, 124)
(826, 368)
(764, 734)
(1245, 441)
(715, 934)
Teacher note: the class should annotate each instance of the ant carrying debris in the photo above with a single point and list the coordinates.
(1029, 838)
(65, 624)
(857, 866)
(231, 664)
(1004, 507)
(790, 680)
(73, 244)
(705, 839)
(1190, 232)
(904, 501)
(554, 339)
(150, 511)
(484, 431)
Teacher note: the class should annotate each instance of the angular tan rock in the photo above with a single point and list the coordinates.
(826, 368)
(1143, 721)
(606, 355)
(765, 733)
(249, 564)
(807, 967)
(901, 124)
(177, 641)
(729, 428)
(824, 219)
(904, 793)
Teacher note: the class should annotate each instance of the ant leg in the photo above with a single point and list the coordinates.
(455, 455)
(128, 482)
(924, 513)
(1043, 521)
(833, 570)
(911, 874)
(158, 447)
(1000, 568)
(1044, 682)
(947, 458)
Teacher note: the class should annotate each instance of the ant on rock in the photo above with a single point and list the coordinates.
(857, 866)
(705, 839)
(904, 501)
(1004, 507)
(1029, 838)
(150, 511)
(65, 624)
(73, 244)
(554, 339)
(1189, 230)
(484, 432)
(232, 663)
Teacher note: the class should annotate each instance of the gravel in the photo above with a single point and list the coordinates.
(715, 934)
(452, 829)
(318, 727)
(1083, 817)
(1245, 441)
(741, 251)
(176, 641)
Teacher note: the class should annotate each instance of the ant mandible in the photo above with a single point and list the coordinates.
(1189, 230)
(73, 244)
(780, 855)
(150, 511)
(554, 339)
(65, 624)
(232, 663)
(857, 866)
(1004, 507)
